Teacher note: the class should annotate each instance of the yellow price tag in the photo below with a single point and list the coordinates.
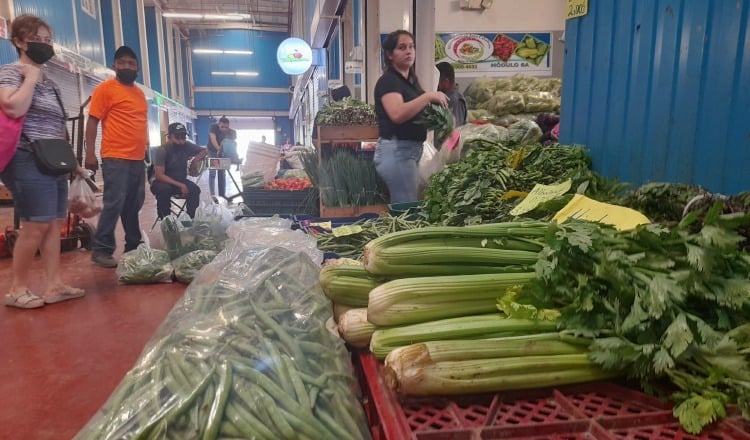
(541, 193)
(342, 231)
(576, 8)
(582, 207)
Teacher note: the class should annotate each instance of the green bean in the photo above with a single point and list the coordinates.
(216, 413)
(284, 338)
(332, 425)
(248, 425)
(276, 363)
(178, 408)
(280, 422)
(297, 385)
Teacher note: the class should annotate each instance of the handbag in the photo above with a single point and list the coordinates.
(53, 157)
(11, 129)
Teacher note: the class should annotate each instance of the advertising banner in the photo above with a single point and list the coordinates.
(500, 54)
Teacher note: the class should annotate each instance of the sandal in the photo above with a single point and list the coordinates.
(25, 300)
(65, 293)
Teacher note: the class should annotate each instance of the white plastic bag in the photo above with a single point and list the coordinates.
(430, 163)
(82, 200)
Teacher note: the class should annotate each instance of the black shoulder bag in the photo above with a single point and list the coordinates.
(53, 157)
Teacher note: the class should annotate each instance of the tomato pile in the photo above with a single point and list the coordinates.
(289, 184)
(503, 47)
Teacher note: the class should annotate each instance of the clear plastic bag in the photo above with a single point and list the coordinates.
(82, 200)
(145, 265)
(186, 266)
(244, 354)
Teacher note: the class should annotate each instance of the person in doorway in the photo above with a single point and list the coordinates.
(399, 101)
(447, 85)
(216, 134)
(170, 171)
(121, 108)
(40, 200)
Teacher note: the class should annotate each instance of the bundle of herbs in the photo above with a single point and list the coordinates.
(348, 111)
(439, 119)
(662, 304)
(661, 202)
(486, 184)
(348, 180)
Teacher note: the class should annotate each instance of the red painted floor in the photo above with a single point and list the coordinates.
(59, 363)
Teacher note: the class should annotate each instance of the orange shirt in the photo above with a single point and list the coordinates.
(123, 113)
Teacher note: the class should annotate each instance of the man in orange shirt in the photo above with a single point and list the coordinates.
(121, 107)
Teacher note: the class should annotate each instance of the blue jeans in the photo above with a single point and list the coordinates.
(397, 162)
(222, 178)
(124, 192)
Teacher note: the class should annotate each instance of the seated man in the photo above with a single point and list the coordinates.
(170, 171)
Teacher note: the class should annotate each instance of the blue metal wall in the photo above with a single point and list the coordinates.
(153, 50)
(60, 18)
(263, 61)
(659, 90)
(130, 31)
(109, 34)
(90, 35)
(7, 51)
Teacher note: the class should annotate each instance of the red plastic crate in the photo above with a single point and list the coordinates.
(598, 411)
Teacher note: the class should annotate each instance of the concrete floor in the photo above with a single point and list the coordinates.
(59, 363)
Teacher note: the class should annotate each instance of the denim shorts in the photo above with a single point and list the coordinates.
(37, 197)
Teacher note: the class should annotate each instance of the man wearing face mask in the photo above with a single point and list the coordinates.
(121, 108)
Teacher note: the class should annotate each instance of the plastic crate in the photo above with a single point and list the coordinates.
(269, 202)
(589, 411)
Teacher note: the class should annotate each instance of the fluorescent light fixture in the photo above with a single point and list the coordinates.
(194, 16)
(238, 73)
(226, 52)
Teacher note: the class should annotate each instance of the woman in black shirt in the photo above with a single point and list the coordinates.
(399, 101)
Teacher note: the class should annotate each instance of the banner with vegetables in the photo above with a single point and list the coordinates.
(495, 53)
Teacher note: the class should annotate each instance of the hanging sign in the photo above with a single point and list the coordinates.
(576, 8)
(294, 56)
(495, 54)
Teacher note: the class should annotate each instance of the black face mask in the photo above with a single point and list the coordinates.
(38, 52)
(126, 76)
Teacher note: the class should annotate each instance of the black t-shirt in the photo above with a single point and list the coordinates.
(220, 135)
(392, 81)
(174, 159)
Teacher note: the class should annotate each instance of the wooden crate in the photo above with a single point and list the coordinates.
(351, 211)
(5, 195)
(347, 133)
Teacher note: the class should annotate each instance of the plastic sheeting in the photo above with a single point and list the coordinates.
(244, 354)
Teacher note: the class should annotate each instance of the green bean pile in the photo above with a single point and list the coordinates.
(245, 354)
(352, 245)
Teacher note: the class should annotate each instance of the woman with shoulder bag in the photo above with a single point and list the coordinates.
(40, 200)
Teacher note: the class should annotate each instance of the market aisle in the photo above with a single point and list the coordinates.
(58, 364)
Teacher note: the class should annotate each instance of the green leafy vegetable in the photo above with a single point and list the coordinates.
(663, 304)
(439, 119)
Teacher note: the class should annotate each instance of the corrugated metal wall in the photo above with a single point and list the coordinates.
(263, 61)
(659, 90)
(58, 14)
(90, 33)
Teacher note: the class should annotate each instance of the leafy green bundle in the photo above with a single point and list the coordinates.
(662, 303)
(348, 111)
(439, 119)
(479, 187)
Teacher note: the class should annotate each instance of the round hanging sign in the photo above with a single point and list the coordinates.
(294, 56)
